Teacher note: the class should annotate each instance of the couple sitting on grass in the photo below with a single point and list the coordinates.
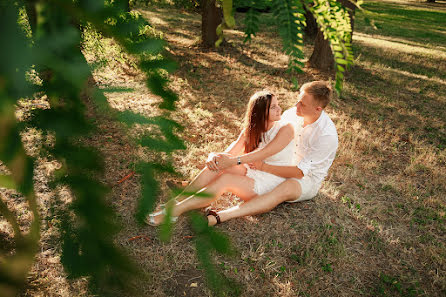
(276, 158)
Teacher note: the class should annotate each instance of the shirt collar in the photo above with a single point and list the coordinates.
(315, 123)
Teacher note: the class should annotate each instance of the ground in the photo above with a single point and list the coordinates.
(377, 227)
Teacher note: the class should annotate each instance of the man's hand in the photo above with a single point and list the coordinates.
(257, 165)
(224, 160)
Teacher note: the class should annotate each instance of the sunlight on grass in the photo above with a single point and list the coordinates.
(417, 76)
(382, 43)
(382, 207)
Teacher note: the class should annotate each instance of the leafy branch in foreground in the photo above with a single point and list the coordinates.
(291, 21)
(51, 49)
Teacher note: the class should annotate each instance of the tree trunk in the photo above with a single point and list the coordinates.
(322, 56)
(211, 17)
(311, 28)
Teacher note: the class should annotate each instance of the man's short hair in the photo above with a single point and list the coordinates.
(321, 91)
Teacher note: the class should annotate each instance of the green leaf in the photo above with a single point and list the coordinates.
(6, 181)
(291, 20)
(341, 61)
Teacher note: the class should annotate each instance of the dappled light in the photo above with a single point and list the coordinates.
(376, 227)
(401, 46)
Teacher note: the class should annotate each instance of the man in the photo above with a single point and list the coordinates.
(316, 142)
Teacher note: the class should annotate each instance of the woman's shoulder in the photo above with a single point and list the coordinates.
(286, 127)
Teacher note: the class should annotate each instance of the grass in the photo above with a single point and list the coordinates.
(377, 227)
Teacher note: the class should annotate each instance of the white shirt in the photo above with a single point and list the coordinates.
(316, 144)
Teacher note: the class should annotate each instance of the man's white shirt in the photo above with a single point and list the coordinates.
(316, 144)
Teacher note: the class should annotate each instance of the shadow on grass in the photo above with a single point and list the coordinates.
(410, 63)
(398, 103)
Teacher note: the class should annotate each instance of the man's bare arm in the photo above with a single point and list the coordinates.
(283, 137)
(283, 171)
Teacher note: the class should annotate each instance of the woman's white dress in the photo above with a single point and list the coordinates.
(264, 182)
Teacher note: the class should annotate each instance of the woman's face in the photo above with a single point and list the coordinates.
(275, 112)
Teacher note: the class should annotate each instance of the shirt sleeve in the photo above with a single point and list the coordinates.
(318, 153)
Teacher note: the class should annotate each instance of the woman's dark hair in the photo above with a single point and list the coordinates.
(256, 119)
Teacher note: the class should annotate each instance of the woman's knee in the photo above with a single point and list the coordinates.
(224, 178)
(236, 170)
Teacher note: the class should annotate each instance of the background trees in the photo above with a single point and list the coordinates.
(334, 20)
(42, 57)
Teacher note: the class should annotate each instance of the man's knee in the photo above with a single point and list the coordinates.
(289, 190)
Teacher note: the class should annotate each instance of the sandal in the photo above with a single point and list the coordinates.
(150, 220)
(210, 212)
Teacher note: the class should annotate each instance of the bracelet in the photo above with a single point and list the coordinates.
(239, 161)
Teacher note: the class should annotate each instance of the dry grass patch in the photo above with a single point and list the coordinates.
(377, 227)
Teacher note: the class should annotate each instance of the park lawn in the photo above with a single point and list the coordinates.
(377, 227)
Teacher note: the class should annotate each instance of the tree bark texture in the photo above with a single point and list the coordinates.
(311, 28)
(322, 57)
(211, 17)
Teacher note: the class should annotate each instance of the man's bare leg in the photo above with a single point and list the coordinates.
(288, 190)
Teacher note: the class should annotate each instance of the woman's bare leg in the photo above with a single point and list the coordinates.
(242, 186)
(205, 177)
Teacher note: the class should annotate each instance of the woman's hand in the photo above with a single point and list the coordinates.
(211, 161)
(224, 160)
(214, 159)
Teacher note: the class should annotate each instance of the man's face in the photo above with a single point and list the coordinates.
(306, 106)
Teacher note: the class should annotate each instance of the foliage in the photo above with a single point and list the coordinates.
(228, 20)
(251, 21)
(51, 50)
(334, 21)
(331, 17)
(207, 240)
(291, 21)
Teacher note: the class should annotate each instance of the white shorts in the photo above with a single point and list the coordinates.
(264, 182)
(309, 187)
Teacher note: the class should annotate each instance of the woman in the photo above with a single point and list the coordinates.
(261, 126)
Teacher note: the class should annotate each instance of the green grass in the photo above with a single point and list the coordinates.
(418, 24)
